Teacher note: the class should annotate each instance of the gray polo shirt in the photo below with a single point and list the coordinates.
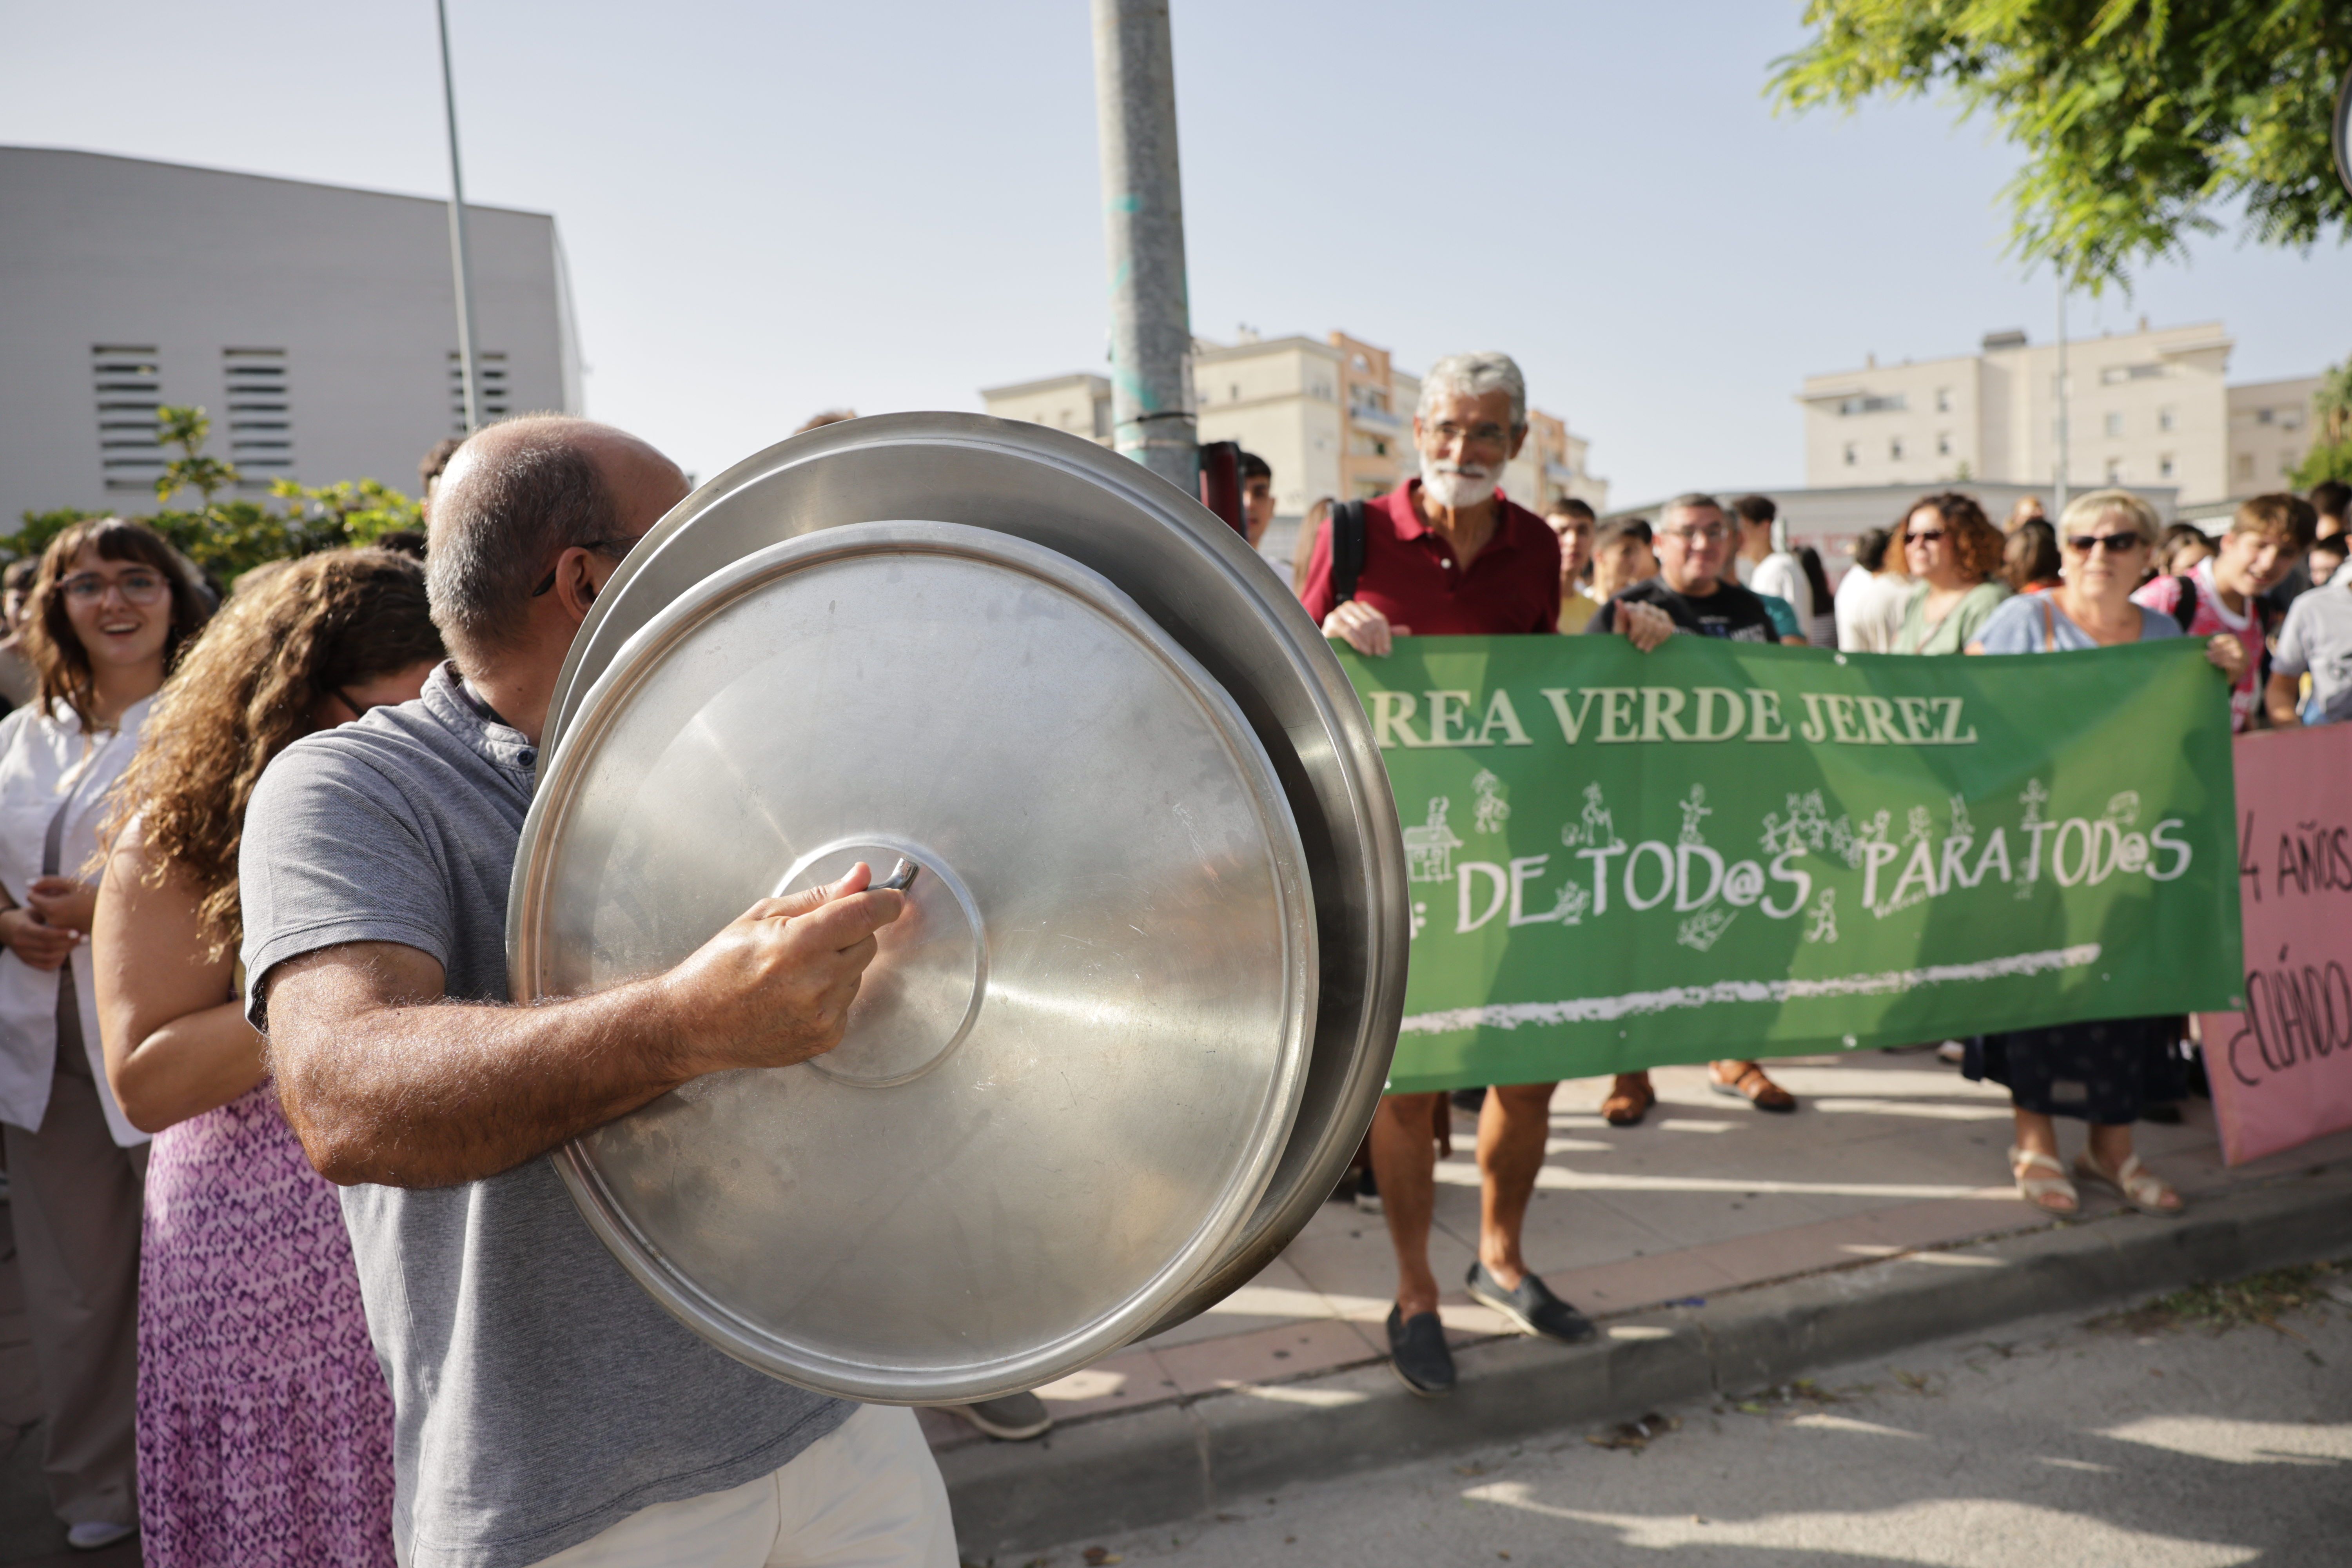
(539, 1395)
(2317, 641)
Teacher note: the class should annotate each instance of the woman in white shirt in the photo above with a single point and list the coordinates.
(111, 607)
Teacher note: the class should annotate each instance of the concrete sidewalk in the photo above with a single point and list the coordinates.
(1698, 1211)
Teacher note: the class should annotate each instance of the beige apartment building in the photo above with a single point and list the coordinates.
(2151, 407)
(1331, 417)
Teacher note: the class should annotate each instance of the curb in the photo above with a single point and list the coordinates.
(1176, 1460)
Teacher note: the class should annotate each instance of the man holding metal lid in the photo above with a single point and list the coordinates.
(547, 1410)
(1447, 554)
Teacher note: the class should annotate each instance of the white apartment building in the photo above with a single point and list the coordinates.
(316, 325)
(2147, 409)
(1331, 417)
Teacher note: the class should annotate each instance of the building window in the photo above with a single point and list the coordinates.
(260, 424)
(1234, 393)
(2164, 418)
(491, 394)
(128, 381)
(2245, 465)
(1943, 443)
(2114, 424)
(1892, 403)
(1895, 449)
(2164, 467)
(2289, 418)
(1943, 400)
(2115, 470)
(1852, 455)
(2288, 463)
(2265, 416)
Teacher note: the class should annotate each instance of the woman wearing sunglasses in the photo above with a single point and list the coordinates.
(265, 1426)
(111, 606)
(2098, 1073)
(1953, 553)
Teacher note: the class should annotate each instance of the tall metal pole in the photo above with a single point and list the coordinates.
(1143, 224)
(2065, 469)
(468, 384)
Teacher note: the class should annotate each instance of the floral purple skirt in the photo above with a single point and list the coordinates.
(265, 1427)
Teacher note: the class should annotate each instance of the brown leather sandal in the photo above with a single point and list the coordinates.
(1630, 1098)
(1750, 1085)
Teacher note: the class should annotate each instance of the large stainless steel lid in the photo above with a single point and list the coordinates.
(1073, 1066)
(1201, 586)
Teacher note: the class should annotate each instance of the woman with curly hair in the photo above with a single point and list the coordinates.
(109, 607)
(1953, 555)
(265, 1427)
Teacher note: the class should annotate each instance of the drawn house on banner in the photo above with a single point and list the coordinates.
(1429, 848)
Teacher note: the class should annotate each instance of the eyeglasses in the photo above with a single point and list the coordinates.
(1700, 535)
(616, 548)
(2113, 544)
(1483, 434)
(1923, 536)
(137, 587)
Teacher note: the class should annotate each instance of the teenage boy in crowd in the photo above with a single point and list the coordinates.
(1763, 567)
(1621, 557)
(2316, 638)
(1258, 498)
(2222, 594)
(2328, 499)
(1447, 553)
(1572, 524)
(1870, 596)
(1693, 544)
(542, 1401)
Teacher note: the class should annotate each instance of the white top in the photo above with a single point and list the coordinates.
(1870, 610)
(44, 759)
(1782, 574)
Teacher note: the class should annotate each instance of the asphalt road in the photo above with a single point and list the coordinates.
(2143, 1444)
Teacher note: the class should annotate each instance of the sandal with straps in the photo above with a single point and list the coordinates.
(2040, 1190)
(2138, 1187)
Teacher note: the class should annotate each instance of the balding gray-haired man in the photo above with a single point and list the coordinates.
(546, 1410)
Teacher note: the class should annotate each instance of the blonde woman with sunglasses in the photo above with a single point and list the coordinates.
(2094, 1072)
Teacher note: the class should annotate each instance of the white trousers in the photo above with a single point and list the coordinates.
(866, 1495)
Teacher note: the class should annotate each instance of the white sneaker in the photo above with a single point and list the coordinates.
(1952, 1051)
(96, 1535)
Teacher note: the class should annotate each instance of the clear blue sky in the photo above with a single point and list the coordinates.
(772, 208)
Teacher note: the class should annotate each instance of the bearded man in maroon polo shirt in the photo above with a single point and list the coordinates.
(1446, 555)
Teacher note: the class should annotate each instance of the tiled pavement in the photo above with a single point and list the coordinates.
(1887, 1153)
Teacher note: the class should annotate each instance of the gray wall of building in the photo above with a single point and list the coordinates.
(352, 289)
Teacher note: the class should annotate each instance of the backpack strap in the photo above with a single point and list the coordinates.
(2184, 609)
(1346, 550)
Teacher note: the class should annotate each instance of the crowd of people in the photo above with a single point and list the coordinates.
(1446, 552)
(302, 1287)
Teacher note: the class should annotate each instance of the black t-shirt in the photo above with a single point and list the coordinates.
(1731, 611)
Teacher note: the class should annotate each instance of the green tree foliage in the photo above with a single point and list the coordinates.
(227, 538)
(2330, 457)
(2139, 119)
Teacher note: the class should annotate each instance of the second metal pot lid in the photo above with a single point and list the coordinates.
(1073, 1066)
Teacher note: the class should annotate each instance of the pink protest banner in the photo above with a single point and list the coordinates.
(2282, 1069)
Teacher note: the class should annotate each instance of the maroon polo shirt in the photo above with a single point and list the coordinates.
(1410, 574)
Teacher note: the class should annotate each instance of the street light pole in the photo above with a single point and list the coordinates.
(1143, 225)
(468, 384)
(2064, 470)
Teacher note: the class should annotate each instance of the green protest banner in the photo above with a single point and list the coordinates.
(1620, 859)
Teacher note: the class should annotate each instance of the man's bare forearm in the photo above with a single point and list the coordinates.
(433, 1093)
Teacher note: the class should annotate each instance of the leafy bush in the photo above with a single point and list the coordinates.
(228, 538)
